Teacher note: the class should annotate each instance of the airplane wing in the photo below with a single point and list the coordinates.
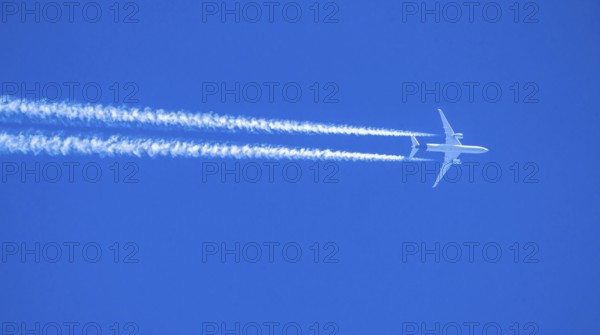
(448, 161)
(450, 138)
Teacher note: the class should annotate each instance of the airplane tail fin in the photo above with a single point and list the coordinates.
(415, 147)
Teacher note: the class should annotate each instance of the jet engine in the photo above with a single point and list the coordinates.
(456, 161)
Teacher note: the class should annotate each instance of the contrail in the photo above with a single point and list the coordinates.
(160, 118)
(57, 145)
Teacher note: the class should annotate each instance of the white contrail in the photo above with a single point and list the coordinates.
(123, 146)
(122, 116)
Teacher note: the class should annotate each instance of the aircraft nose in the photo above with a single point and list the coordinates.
(485, 150)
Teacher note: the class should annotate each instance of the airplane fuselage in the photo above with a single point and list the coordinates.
(463, 149)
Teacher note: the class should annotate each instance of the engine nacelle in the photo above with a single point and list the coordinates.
(458, 136)
(456, 161)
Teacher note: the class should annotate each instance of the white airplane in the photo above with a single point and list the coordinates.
(452, 148)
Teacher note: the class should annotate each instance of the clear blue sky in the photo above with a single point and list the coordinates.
(370, 57)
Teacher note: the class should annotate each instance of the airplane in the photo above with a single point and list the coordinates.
(452, 148)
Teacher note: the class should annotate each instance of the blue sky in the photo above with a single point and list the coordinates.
(545, 122)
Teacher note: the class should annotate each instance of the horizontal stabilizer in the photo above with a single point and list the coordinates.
(415, 147)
